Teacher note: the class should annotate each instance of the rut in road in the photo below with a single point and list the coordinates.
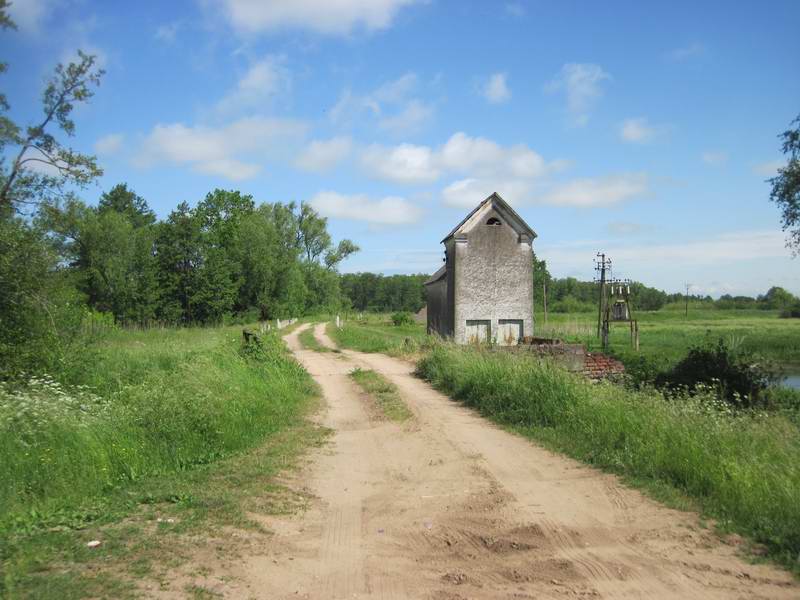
(449, 506)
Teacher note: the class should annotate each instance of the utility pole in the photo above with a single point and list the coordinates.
(686, 299)
(601, 266)
(544, 296)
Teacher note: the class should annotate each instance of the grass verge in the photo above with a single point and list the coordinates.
(309, 341)
(741, 469)
(163, 423)
(383, 392)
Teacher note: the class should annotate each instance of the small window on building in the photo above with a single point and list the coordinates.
(493, 221)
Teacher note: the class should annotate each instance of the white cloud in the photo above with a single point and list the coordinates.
(405, 163)
(396, 91)
(715, 158)
(168, 32)
(461, 154)
(687, 52)
(495, 90)
(391, 210)
(410, 119)
(29, 14)
(109, 144)
(235, 151)
(263, 81)
(323, 155)
(335, 17)
(769, 169)
(393, 104)
(637, 130)
(466, 193)
(581, 82)
(722, 248)
(601, 191)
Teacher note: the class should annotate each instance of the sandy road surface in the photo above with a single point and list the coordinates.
(449, 506)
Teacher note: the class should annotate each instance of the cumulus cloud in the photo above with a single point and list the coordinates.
(715, 159)
(263, 80)
(109, 144)
(495, 90)
(234, 151)
(601, 191)
(393, 104)
(637, 130)
(466, 193)
(339, 17)
(323, 155)
(391, 210)
(582, 85)
(768, 169)
(405, 163)
(461, 154)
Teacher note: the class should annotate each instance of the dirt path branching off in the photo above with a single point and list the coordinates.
(455, 507)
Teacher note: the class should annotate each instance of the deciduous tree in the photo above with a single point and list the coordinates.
(786, 186)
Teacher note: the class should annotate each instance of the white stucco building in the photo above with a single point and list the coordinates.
(485, 288)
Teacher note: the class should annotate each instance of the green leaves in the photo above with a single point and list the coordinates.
(786, 186)
(42, 165)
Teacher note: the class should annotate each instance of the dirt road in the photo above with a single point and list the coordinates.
(449, 506)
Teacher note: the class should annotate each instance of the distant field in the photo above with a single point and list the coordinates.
(666, 335)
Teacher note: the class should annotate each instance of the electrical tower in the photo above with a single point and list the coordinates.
(614, 303)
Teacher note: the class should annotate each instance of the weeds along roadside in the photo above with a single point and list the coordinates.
(740, 468)
(150, 404)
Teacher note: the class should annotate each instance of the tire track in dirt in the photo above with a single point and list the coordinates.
(604, 538)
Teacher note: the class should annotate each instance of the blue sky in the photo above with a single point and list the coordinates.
(642, 129)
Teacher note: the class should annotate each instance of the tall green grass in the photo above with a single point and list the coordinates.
(141, 404)
(379, 334)
(743, 469)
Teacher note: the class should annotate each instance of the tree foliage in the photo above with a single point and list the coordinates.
(42, 166)
(786, 185)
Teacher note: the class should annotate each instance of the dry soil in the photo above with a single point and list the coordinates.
(448, 506)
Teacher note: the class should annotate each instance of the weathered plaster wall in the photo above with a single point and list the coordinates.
(493, 274)
(437, 307)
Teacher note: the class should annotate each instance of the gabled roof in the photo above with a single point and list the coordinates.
(440, 274)
(501, 206)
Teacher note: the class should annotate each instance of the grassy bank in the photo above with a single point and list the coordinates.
(376, 333)
(144, 416)
(741, 469)
(384, 393)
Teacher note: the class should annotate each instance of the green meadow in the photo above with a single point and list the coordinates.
(665, 335)
(159, 418)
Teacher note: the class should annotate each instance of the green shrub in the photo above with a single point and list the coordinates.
(737, 377)
(740, 466)
(791, 312)
(402, 318)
